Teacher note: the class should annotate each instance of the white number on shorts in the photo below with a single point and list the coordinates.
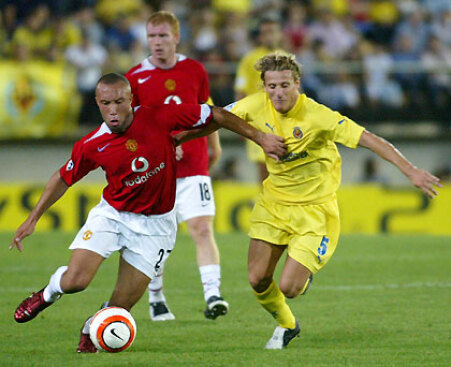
(204, 192)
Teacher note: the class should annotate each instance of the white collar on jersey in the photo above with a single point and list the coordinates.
(147, 65)
(104, 129)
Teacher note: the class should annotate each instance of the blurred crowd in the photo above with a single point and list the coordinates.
(370, 59)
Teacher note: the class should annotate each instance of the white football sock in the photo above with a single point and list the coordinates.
(156, 290)
(210, 276)
(53, 290)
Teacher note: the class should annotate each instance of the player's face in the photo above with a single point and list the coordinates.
(162, 41)
(282, 89)
(114, 101)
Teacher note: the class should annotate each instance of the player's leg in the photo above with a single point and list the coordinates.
(295, 279)
(262, 260)
(131, 284)
(67, 279)
(207, 253)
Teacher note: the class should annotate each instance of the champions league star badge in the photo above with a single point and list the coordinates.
(297, 132)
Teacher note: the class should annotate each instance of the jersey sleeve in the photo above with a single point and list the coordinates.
(347, 132)
(185, 116)
(77, 166)
(240, 109)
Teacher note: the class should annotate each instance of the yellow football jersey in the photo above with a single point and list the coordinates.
(311, 171)
(247, 79)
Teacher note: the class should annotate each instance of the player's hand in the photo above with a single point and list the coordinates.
(23, 231)
(273, 145)
(425, 181)
(178, 153)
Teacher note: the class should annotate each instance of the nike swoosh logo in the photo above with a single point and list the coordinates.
(103, 148)
(340, 122)
(113, 331)
(143, 80)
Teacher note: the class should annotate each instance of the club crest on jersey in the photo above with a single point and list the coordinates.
(170, 84)
(87, 235)
(297, 132)
(131, 145)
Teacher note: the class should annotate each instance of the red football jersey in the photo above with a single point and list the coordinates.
(139, 164)
(186, 82)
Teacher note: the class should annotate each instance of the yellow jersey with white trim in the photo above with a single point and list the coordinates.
(311, 171)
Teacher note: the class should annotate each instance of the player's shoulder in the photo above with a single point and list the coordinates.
(185, 61)
(143, 66)
(102, 132)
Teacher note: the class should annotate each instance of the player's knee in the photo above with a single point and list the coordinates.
(292, 290)
(258, 283)
(201, 228)
(74, 282)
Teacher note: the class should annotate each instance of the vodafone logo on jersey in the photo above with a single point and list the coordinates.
(141, 165)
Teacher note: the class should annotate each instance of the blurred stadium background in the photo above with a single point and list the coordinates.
(385, 64)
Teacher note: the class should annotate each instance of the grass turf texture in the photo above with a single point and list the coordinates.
(381, 301)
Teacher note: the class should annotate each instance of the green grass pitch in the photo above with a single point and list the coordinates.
(381, 301)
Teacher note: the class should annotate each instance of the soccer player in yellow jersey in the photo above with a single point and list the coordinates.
(248, 80)
(297, 209)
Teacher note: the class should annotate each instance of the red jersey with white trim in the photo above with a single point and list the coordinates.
(139, 164)
(186, 82)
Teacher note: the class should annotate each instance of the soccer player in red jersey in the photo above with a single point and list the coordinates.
(135, 216)
(166, 77)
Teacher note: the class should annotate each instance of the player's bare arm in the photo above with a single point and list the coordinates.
(273, 145)
(214, 149)
(419, 178)
(54, 189)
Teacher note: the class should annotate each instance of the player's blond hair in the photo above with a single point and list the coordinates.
(163, 16)
(278, 61)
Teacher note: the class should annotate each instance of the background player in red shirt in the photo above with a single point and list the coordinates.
(135, 215)
(171, 78)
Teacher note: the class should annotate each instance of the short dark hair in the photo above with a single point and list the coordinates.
(113, 78)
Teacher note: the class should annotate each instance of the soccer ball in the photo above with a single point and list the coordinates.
(112, 329)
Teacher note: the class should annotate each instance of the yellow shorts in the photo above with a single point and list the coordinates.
(310, 231)
(254, 152)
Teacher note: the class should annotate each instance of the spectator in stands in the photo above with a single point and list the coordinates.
(86, 20)
(379, 87)
(341, 93)
(88, 59)
(119, 34)
(384, 16)
(34, 37)
(437, 62)
(413, 28)
(441, 27)
(337, 39)
(295, 29)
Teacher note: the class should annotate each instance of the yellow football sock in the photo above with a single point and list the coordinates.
(274, 302)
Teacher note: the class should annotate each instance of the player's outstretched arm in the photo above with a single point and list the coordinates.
(419, 178)
(273, 145)
(54, 189)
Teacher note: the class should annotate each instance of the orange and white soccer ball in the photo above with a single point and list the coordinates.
(112, 329)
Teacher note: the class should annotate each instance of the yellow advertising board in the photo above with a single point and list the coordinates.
(364, 208)
(39, 99)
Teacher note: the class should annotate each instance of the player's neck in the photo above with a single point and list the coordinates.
(164, 63)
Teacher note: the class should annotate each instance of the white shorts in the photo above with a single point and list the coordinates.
(194, 198)
(145, 242)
